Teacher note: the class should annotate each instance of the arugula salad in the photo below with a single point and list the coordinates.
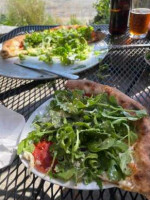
(91, 137)
(68, 45)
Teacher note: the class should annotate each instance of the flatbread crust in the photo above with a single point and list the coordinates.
(15, 46)
(139, 180)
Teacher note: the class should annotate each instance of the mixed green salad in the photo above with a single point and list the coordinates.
(91, 137)
(68, 45)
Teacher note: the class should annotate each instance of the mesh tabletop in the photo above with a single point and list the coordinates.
(126, 70)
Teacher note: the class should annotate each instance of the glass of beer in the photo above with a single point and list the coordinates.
(139, 19)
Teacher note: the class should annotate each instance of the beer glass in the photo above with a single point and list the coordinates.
(139, 19)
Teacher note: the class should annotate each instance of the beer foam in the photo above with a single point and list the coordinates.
(141, 11)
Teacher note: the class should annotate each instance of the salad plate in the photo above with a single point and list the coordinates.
(69, 184)
(9, 69)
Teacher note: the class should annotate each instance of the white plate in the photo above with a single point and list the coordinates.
(9, 69)
(70, 184)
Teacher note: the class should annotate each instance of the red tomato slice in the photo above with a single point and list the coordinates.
(88, 94)
(42, 156)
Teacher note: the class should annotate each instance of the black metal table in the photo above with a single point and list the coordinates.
(127, 71)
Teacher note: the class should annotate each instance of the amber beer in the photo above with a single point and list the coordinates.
(139, 21)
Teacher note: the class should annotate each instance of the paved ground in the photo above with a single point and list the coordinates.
(6, 29)
(63, 9)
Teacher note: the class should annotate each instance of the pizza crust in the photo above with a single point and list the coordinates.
(139, 180)
(14, 46)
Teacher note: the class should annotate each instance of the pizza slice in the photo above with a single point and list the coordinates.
(61, 41)
(92, 132)
(139, 179)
